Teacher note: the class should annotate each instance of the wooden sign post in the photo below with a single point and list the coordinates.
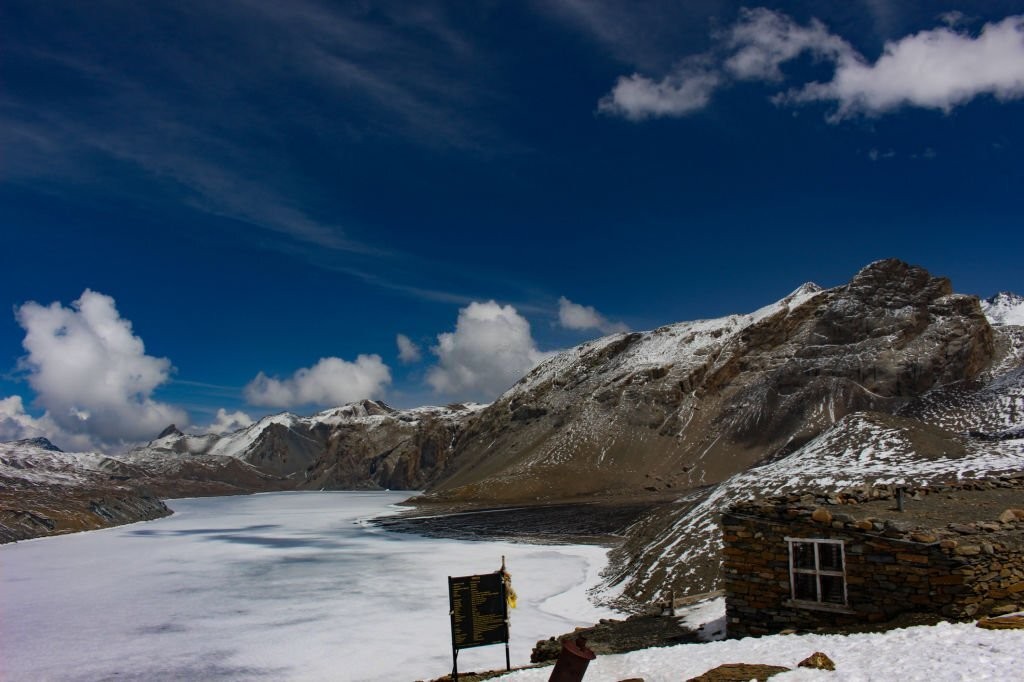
(479, 613)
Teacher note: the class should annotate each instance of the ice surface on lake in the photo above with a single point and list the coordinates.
(274, 586)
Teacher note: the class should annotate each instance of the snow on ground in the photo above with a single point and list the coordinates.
(937, 653)
(282, 586)
(297, 586)
(40, 466)
(676, 344)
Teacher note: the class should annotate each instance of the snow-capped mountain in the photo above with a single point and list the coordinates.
(361, 445)
(1004, 308)
(691, 404)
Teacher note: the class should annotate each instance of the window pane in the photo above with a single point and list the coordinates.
(830, 558)
(832, 589)
(805, 587)
(803, 555)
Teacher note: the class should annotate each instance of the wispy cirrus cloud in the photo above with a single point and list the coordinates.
(940, 68)
(203, 105)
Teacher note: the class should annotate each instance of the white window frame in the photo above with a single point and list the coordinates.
(817, 571)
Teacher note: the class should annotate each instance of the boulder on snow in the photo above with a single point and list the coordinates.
(740, 672)
(818, 661)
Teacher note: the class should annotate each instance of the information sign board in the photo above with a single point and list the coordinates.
(478, 609)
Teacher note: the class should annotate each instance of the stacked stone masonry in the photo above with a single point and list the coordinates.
(894, 563)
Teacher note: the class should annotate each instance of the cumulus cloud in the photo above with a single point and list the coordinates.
(16, 424)
(408, 352)
(941, 68)
(331, 381)
(226, 422)
(575, 316)
(91, 373)
(491, 348)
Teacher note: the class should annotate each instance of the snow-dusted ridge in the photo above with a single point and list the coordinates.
(237, 444)
(1005, 308)
(681, 344)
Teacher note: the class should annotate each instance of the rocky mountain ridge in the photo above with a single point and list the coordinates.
(691, 404)
(366, 444)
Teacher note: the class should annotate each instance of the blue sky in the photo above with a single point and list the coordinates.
(249, 201)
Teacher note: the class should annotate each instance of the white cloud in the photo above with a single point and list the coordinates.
(686, 89)
(408, 352)
(939, 69)
(92, 374)
(16, 424)
(762, 40)
(490, 349)
(331, 381)
(226, 422)
(575, 316)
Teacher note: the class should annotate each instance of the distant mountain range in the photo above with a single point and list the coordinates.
(890, 376)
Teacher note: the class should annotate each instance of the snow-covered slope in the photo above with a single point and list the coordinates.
(44, 491)
(680, 547)
(1004, 308)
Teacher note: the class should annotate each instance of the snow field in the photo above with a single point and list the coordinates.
(940, 653)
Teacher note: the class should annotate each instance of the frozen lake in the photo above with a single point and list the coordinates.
(274, 586)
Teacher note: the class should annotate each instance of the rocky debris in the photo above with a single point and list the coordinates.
(611, 636)
(740, 672)
(818, 661)
(1011, 516)
(475, 675)
(592, 522)
(1009, 622)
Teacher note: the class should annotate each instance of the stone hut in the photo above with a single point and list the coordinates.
(805, 561)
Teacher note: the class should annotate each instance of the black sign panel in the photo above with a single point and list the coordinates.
(478, 609)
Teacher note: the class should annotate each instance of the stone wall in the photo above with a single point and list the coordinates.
(959, 572)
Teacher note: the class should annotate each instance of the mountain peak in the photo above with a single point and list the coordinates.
(1005, 307)
(171, 430)
(805, 289)
(40, 442)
